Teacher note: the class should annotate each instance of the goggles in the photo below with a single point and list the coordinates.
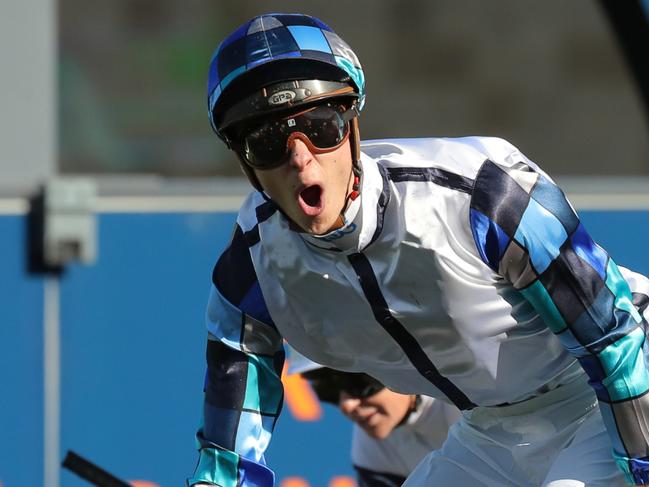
(328, 384)
(323, 128)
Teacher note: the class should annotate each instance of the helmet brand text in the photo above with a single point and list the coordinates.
(281, 97)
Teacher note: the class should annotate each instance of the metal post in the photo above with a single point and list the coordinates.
(52, 376)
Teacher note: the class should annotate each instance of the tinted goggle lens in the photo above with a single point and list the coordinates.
(328, 384)
(323, 128)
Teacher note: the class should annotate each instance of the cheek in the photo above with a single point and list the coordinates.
(273, 183)
(397, 411)
(381, 426)
(341, 162)
(393, 417)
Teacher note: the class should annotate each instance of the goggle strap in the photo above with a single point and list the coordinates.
(347, 115)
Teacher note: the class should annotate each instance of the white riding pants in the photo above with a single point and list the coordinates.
(557, 439)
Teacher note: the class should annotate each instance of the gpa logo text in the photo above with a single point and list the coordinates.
(281, 97)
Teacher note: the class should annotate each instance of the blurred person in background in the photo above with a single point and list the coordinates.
(452, 268)
(392, 432)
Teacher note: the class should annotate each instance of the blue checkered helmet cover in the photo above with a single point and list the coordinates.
(271, 37)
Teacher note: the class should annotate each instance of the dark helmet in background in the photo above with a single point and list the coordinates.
(275, 63)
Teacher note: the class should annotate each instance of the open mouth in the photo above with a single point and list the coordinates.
(310, 200)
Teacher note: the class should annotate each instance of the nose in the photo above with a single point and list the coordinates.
(348, 404)
(299, 154)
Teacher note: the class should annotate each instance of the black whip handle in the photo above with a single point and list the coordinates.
(91, 472)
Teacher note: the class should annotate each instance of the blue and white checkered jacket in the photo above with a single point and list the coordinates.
(465, 275)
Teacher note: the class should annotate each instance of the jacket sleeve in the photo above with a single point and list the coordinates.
(243, 390)
(639, 286)
(529, 235)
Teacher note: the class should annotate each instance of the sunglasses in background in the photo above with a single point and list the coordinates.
(323, 128)
(328, 384)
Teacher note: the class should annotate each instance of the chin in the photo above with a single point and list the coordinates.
(378, 433)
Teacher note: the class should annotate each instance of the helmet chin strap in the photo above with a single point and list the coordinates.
(355, 192)
(355, 173)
